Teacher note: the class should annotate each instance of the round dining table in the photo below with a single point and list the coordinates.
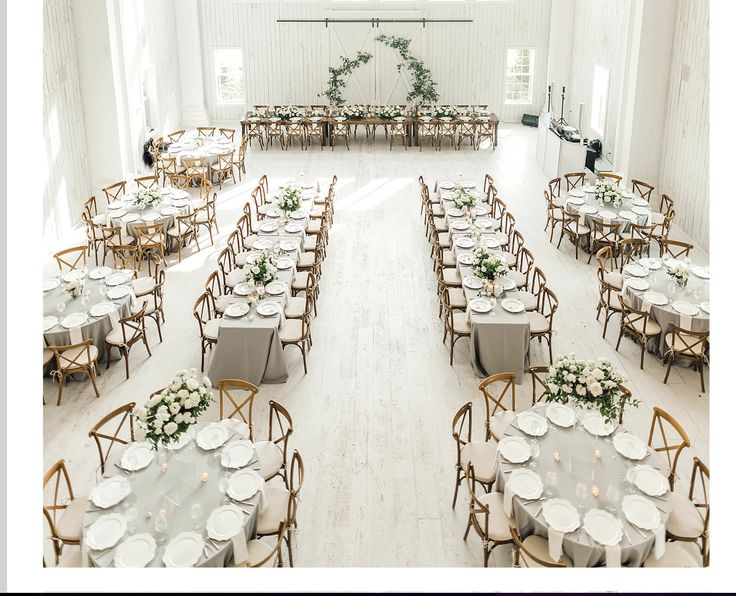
(588, 472)
(123, 213)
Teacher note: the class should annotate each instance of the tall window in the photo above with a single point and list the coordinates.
(599, 100)
(519, 75)
(229, 77)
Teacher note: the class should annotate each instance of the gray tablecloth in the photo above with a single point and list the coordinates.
(696, 292)
(148, 497)
(610, 469)
(168, 221)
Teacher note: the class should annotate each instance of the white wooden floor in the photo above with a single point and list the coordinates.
(372, 416)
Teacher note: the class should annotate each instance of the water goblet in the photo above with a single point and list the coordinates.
(195, 512)
(60, 307)
(131, 514)
(533, 443)
(612, 493)
(493, 301)
(581, 491)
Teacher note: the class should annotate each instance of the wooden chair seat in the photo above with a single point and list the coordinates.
(498, 521)
(675, 555)
(69, 526)
(482, 454)
(291, 331)
(296, 308)
(270, 457)
(277, 510)
(79, 356)
(685, 521)
(460, 323)
(539, 548)
(538, 323)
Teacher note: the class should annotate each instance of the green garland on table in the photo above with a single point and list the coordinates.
(336, 84)
(423, 87)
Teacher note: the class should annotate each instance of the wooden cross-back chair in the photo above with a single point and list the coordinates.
(224, 168)
(573, 229)
(462, 433)
(114, 191)
(204, 312)
(71, 258)
(125, 256)
(482, 454)
(228, 133)
(541, 324)
(205, 131)
(643, 232)
(231, 403)
(539, 376)
(604, 234)
(574, 179)
(697, 504)
(132, 330)
(184, 232)
(487, 183)
(155, 308)
(151, 238)
(90, 207)
(629, 250)
(108, 437)
(176, 135)
(642, 189)
(498, 208)
(664, 422)
(280, 428)
(146, 181)
(196, 168)
(639, 325)
(235, 241)
(226, 262)
(554, 187)
(446, 130)
(496, 390)
(76, 358)
(687, 345)
(466, 130)
(610, 177)
(174, 173)
(554, 214)
(675, 248)
(533, 551)
(63, 500)
(240, 162)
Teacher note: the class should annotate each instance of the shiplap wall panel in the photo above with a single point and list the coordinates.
(66, 186)
(600, 32)
(684, 166)
(287, 63)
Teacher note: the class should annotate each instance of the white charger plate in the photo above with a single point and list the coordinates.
(656, 298)
(648, 480)
(630, 446)
(118, 292)
(513, 305)
(212, 436)
(102, 309)
(507, 283)
(130, 217)
(573, 200)
(236, 309)
(110, 491)
(298, 215)
(284, 263)
(480, 211)
(137, 456)
(242, 289)
(460, 225)
(225, 522)
(484, 224)
(526, 484)
(492, 243)
(640, 210)
(262, 244)
(51, 284)
(588, 209)
(135, 551)
(74, 320)
(105, 531)
(472, 282)
(701, 272)
(480, 305)
(243, 484)
(100, 272)
(561, 415)
(293, 228)
(653, 264)
(685, 308)
(605, 214)
(560, 515)
(636, 270)
(151, 216)
(705, 307)
(514, 449)
(50, 322)
(639, 202)
(596, 425)
(180, 202)
(237, 454)
(74, 275)
(602, 527)
(576, 192)
(167, 211)
(639, 284)
(116, 279)
(630, 215)
(464, 242)
(641, 512)
(447, 185)
(275, 288)
(532, 423)
(288, 245)
(268, 227)
(267, 309)
(184, 550)
(465, 259)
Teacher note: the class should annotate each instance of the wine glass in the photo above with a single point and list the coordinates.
(612, 494)
(102, 290)
(131, 514)
(195, 512)
(60, 307)
(493, 301)
(160, 525)
(581, 491)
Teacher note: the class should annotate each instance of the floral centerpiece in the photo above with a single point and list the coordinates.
(588, 384)
(169, 414)
(607, 194)
(488, 266)
(463, 198)
(679, 272)
(147, 197)
(263, 269)
(290, 199)
(353, 112)
(287, 112)
(75, 288)
(388, 112)
(446, 112)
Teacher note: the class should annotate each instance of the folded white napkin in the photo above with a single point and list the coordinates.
(240, 547)
(134, 303)
(237, 426)
(646, 306)
(555, 543)
(75, 334)
(613, 556)
(686, 322)
(659, 541)
(508, 496)
(114, 317)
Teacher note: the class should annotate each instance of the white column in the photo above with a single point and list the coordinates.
(562, 13)
(642, 114)
(189, 42)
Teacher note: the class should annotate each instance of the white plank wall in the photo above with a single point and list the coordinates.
(287, 63)
(600, 33)
(66, 183)
(684, 169)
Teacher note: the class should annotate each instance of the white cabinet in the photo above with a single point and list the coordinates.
(555, 155)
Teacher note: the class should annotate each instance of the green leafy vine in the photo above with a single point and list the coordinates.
(423, 87)
(337, 81)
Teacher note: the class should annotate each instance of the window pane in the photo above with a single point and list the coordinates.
(229, 75)
(599, 100)
(519, 73)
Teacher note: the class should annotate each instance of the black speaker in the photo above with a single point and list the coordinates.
(530, 120)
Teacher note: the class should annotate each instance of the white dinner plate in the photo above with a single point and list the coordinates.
(685, 308)
(460, 225)
(702, 272)
(640, 210)
(455, 212)
(212, 436)
(50, 322)
(115, 205)
(116, 279)
(399, 118)
(648, 480)
(576, 192)
(596, 425)
(293, 228)
(130, 217)
(464, 242)
(630, 215)
(298, 215)
(184, 550)
(561, 415)
(492, 243)
(102, 309)
(480, 211)
(273, 212)
(507, 283)
(51, 284)
(74, 320)
(514, 449)
(288, 245)
(275, 288)
(636, 270)
(605, 214)
(670, 262)
(513, 305)
(602, 527)
(483, 224)
(630, 446)
(100, 272)
(242, 289)
(243, 484)
(589, 188)
(560, 515)
(480, 305)
(262, 244)
(641, 512)
(639, 202)
(225, 522)
(468, 184)
(705, 307)
(284, 263)
(531, 423)
(573, 200)
(637, 284)
(340, 118)
(236, 309)
(167, 211)
(151, 216)
(267, 227)
(237, 454)
(137, 456)
(653, 264)
(110, 491)
(472, 282)
(588, 209)
(656, 298)
(267, 309)
(180, 202)
(526, 484)
(137, 550)
(105, 531)
(118, 292)
(465, 259)
(74, 275)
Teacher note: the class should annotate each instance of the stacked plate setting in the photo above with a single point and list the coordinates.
(110, 491)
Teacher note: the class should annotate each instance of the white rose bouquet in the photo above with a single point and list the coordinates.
(290, 199)
(488, 266)
(263, 270)
(463, 198)
(589, 384)
(147, 197)
(170, 413)
(75, 288)
(353, 112)
(607, 194)
(286, 112)
(446, 112)
(679, 272)
(389, 112)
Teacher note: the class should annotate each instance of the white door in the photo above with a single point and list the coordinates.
(392, 84)
(347, 39)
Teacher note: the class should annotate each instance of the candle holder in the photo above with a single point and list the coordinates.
(556, 456)
(205, 476)
(594, 490)
(597, 454)
(164, 466)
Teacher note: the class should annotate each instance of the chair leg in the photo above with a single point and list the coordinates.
(702, 378)
(107, 355)
(457, 486)
(91, 376)
(61, 390)
(127, 363)
(643, 346)
(669, 366)
(620, 335)
(288, 548)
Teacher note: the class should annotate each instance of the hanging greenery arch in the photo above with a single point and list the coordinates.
(336, 84)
